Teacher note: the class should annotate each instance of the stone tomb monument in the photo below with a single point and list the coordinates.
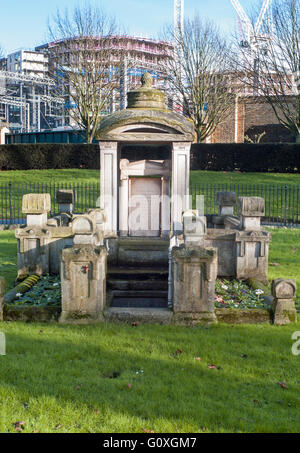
(145, 250)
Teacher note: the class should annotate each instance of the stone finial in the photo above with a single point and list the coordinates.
(35, 203)
(251, 206)
(284, 289)
(147, 80)
(65, 196)
(226, 198)
(284, 308)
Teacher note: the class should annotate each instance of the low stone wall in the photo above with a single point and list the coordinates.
(27, 313)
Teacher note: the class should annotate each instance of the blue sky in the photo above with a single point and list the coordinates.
(24, 22)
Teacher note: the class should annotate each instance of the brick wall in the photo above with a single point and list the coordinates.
(249, 117)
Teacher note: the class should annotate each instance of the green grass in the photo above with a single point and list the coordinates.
(92, 176)
(8, 257)
(59, 379)
(86, 183)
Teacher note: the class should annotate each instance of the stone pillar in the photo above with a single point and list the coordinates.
(124, 206)
(2, 292)
(195, 228)
(65, 200)
(252, 244)
(36, 207)
(226, 202)
(180, 184)
(194, 276)
(165, 207)
(284, 292)
(34, 238)
(251, 209)
(83, 276)
(109, 185)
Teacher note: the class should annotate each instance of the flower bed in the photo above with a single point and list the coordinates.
(46, 293)
(237, 294)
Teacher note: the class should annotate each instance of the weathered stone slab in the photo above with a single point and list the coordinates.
(194, 276)
(284, 292)
(245, 316)
(83, 283)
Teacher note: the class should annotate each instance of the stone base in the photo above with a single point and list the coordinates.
(285, 312)
(246, 316)
(193, 319)
(139, 315)
(76, 317)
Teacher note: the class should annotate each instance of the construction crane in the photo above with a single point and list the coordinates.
(178, 19)
(254, 42)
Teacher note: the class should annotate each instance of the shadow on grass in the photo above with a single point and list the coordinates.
(242, 395)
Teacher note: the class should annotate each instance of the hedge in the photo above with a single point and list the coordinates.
(49, 156)
(275, 158)
(278, 158)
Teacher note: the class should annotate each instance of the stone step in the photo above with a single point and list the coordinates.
(127, 273)
(134, 294)
(141, 285)
(143, 252)
(139, 315)
(127, 302)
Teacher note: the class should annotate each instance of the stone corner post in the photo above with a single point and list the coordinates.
(284, 292)
(83, 275)
(180, 184)
(194, 276)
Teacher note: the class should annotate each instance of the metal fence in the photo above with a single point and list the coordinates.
(282, 201)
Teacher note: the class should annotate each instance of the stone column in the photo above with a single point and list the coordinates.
(109, 185)
(284, 292)
(83, 276)
(124, 207)
(2, 292)
(180, 184)
(34, 238)
(165, 207)
(252, 244)
(194, 276)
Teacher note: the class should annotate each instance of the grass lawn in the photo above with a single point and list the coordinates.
(92, 176)
(116, 378)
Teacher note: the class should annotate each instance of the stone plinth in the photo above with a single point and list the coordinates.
(65, 200)
(251, 209)
(194, 275)
(284, 292)
(2, 292)
(83, 283)
(252, 255)
(33, 251)
(36, 207)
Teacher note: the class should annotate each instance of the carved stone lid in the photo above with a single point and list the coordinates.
(146, 119)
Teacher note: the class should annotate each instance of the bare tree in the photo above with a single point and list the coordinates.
(199, 75)
(85, 62)
(275, 69)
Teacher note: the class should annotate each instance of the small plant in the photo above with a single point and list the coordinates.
(237, 294)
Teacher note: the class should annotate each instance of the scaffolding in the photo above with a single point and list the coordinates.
(28, 102)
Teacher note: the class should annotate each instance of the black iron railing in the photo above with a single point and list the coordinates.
(282, 201)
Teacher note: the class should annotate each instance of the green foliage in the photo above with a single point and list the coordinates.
(267, 157)
(237, 294)
(48, 156)
(46, 293)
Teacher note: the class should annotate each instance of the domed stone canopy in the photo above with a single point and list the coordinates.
(146, 119)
